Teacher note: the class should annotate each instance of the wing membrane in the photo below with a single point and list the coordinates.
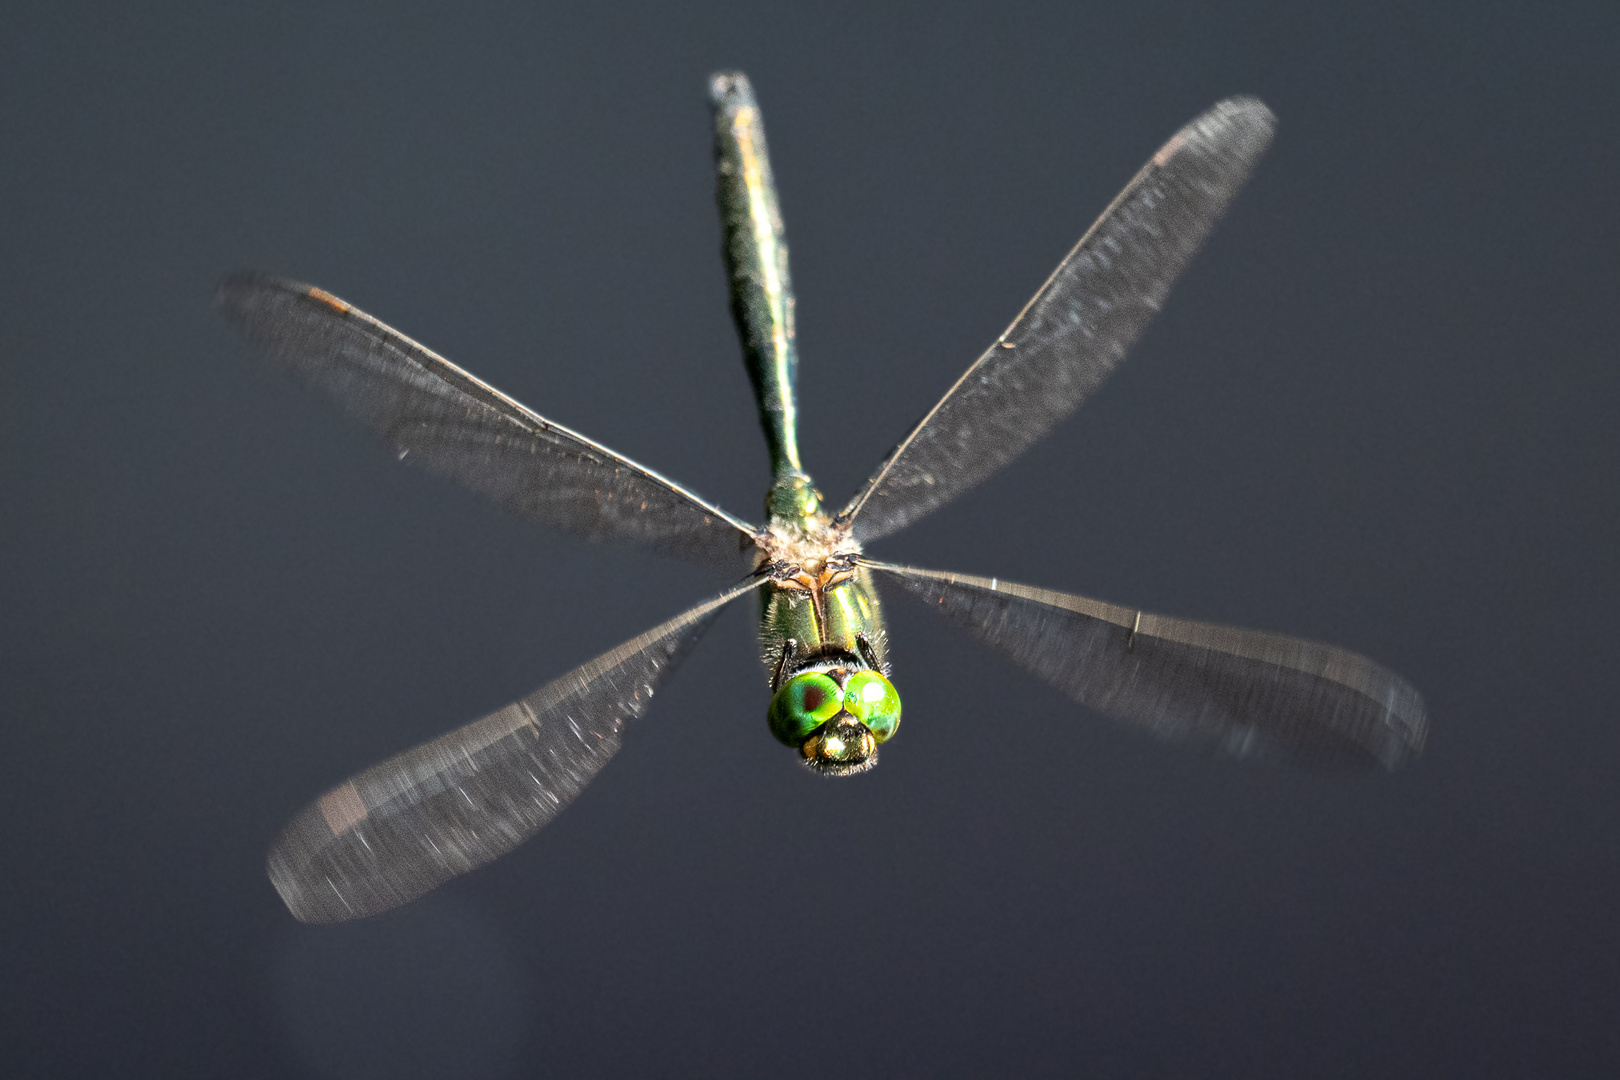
(410, 824)
(1077, 328)
(1246, 692)
(436, 414)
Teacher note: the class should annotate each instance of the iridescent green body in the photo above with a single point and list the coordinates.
(819, 611)
(841, 619)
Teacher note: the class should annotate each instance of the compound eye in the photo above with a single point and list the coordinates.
(804, 703)
(873, 701)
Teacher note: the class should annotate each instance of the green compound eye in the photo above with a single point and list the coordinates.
(804, 703)
(873, 701)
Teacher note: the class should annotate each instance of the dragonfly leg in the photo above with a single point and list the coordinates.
(790, 651)
(869, 654)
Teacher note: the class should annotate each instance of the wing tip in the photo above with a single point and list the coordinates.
(1399, 741)
(293, 867)
(238, 292)
(1244, 110)
(1414, 734)
(1239, 126)
(1246, 104)
(278, 868)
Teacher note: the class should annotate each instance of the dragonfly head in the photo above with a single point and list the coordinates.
(836, 715)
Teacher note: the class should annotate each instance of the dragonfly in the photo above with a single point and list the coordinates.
(401, 828)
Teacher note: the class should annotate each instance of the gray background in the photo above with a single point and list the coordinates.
(1378, 410)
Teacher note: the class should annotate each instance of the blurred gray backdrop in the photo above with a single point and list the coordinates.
(1378, 410)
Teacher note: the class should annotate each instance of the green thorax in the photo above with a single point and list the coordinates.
(761, 289)
(843, 619)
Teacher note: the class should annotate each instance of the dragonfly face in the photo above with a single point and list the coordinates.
(837, 715)
(413, 822)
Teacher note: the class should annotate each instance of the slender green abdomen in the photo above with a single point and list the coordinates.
(761, 289)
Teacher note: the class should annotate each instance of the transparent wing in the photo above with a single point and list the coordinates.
(1246, 692)
(1078, 326)
(438, 415)
(419, 819)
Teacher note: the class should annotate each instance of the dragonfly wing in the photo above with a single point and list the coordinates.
(417, 820)
(432, 412)
(1246, 692)
(1077, 328)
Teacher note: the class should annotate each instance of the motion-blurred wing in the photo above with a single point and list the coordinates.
(419, 819)
(1247, 692)
(434, 413)
(1077, 328)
